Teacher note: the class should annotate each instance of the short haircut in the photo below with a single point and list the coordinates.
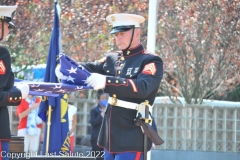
(100, 92)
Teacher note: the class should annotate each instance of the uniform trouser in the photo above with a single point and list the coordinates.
(4, 150)
(123, 156)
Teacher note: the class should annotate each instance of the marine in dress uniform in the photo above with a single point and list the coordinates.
(130, 76)
(9, 96)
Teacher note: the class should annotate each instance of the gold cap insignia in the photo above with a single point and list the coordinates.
(113, 18)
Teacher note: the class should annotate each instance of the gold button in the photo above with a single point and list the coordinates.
(128, 52)
(20, 97)
(107, 70)
(15, 98)
(121, 65)
(122, 58)
(10, 98)
(116, 81)
(109, 81)
(124, 81)
(114, 95)
(119, 72)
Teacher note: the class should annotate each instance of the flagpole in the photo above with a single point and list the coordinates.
(49, 121)
(48, 127)
(151, 36)
(52, 142)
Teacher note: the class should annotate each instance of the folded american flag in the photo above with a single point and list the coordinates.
(75, 72)
(52, 89)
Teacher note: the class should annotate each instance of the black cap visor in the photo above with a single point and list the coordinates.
(121, 29)
(11, 25)
(8, 20)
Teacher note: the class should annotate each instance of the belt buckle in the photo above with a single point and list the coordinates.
(114, 101)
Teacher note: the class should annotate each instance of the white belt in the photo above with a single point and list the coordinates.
(121, 103)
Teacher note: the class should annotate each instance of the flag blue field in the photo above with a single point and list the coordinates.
(58, 133)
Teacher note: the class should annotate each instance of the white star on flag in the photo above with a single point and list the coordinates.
(72, 70)
(79, 87)
(57, 87)
(62, 91)
(34, 85)
(70, 78)
(38, 90)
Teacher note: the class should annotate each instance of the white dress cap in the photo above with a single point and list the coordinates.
(6, 14)
(123, 19)
(7, 10)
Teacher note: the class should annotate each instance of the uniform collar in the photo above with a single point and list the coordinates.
(133, 51)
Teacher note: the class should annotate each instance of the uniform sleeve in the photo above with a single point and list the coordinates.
(95, 67)
(5, 67)
(140, 87)
(8, 96)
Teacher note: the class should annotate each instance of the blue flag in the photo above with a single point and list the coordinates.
(58, 130)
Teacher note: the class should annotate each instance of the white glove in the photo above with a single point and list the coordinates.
(59, 74)
(24, 88)
(97, 81)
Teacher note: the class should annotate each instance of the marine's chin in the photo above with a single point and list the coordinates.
(121, 47)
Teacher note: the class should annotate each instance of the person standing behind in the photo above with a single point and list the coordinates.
(30, 124)
(96, 117)
(72, 119)
(9, 96)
